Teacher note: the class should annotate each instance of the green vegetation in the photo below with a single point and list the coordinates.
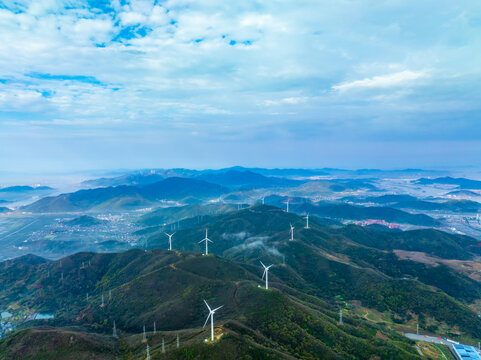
(326, 268)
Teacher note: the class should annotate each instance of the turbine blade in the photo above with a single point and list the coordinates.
(207, 319)
(264, 273)
(208, 306)
(201, 241)
(209, 240)
(217, 308)
(262, 264)
(269, 267)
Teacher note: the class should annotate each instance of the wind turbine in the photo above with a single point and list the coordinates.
(170, 239)
(307, 222)
(211, 316)
(287, 205)
(266, 274)
(292, 232)
(207, 240)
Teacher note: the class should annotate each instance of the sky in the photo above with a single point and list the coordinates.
(212, 83)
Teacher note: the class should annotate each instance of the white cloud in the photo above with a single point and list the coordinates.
(131, 18)
(259, 69)
(288, 100)
(391, 80)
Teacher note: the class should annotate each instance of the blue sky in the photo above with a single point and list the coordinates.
(211, 83)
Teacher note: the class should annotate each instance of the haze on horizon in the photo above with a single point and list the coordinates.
(208, 84)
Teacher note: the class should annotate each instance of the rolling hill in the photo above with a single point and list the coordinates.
(461, 183)
(137, 179)
(127, 197)
(168, 288)
(411, 202)
(23, 189)
(246, 179)
(85, 220)
(323, 270)
(352, 212)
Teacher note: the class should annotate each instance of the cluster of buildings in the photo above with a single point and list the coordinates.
(5, 325)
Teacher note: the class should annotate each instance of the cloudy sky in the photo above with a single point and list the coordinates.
(211, 83)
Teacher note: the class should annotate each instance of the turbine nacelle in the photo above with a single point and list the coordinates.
(266, 273)
(207, 240)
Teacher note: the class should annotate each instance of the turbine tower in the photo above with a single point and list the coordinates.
(287, 205)
(307, 222)
(114, 333)
(292, 232)
(266, 274)
(211, 316)
(207, 240)
(170, 239)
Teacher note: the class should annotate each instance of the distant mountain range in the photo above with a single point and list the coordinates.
(462, 183)
(229, 178)
(23, 189)
(346, 211)
(247, 179)
(413, 203)
(351, 212)
(138, 179)
(466, 193)
(125, 197)
(4, 209)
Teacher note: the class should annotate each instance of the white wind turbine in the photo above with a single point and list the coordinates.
(207, 240)
(307, 222)
(287, 205)
(266, 274)
(170, 239)
(211, 316)
(292, 232)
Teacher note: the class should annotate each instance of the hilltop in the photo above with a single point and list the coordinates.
(461, 183)
(247, 179)
(137, 179)
(85, 220)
